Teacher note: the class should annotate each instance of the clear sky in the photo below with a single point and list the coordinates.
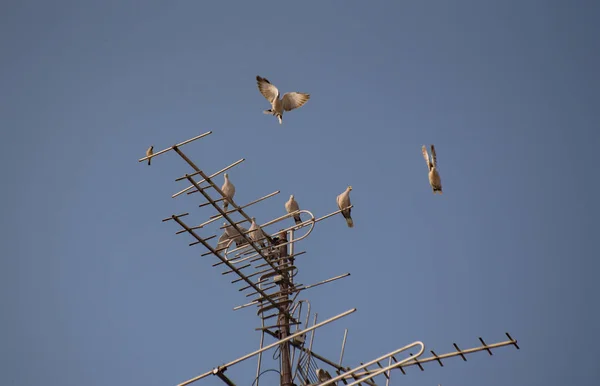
(95, 290)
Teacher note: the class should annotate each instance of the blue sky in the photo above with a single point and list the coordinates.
(95, 290)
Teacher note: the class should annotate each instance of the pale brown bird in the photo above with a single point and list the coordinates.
(343, 201)
(323, 375)
(256, 234)
(291, 206)
(229, 190)
(149, 152)
(434, 176)
(289, 101)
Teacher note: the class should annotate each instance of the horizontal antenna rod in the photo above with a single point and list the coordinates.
(174, 146)
(211, 176)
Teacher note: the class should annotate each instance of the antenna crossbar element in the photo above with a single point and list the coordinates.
(219, 373)
(270, 346)
(174, 146)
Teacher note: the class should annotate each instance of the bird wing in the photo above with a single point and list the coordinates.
(434, 156)
(343, 200)
(265, 87)
(426, 156)
(149, 151)
(293, 100)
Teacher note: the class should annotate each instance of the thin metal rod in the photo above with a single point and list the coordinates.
(343, 346)
(274, 344)
(349, 373)
(322, 282)
(224, 378)
(211, 176)
(260, 346)
(174, 146)
(389, 373)
(177, 215)
(310, 344)
(218, 216)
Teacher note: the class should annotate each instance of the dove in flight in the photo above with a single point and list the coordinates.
(323, 375)
(229, 190)
(434, 176)
(256, 233)
(291, 206)
(289, 101)
(149, 152)
(343, 201)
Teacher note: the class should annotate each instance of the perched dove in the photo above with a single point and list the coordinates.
(343, 201)
(256, 233)
(232, 233)
(323, 375)
(223, 241)
(291, 206)
(290, 100)
(434, 177)
(149, 152)
(229, 190)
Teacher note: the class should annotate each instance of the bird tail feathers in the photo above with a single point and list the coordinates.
(297, 219)
(268, 112)
(349, 222)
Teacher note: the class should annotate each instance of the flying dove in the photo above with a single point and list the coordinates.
(256, 233)
(291, 206)
(290, 100)
(229, 190)
(323, 375)
(149, 152)
(343, 201)
(434, 177)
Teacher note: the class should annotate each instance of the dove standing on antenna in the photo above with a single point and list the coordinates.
(256, 233)
(434, 176)
(149, 152)
(232, 233)
(289, 102)
(343, 201)
(323, 375)
(228, 190)
(291, 206)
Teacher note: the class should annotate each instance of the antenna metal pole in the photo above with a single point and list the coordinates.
(284, 322)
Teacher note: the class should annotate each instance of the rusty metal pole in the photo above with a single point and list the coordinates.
(283, 321)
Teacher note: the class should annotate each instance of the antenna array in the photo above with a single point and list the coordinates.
(263, 267)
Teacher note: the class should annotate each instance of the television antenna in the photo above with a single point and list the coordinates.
(264, 267)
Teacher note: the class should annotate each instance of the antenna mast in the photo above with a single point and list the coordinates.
(264, 266)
